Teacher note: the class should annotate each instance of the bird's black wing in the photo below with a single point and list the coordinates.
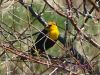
(38, 42)
(42, 42)
(41, 35)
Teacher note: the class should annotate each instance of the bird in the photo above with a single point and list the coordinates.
(46, 38)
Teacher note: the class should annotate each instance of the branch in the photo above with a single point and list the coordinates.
(93, 5)
(90, 40)
(40, 19)
(9, 48)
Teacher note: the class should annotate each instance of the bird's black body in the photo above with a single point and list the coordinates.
(42, 42)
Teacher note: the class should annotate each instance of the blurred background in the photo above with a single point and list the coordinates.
(16, 22)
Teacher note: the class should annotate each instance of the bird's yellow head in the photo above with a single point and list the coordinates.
(53, 30)
(51, 26)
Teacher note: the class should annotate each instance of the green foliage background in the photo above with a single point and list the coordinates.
(17, 19)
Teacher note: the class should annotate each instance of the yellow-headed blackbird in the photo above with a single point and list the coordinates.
(46, 38)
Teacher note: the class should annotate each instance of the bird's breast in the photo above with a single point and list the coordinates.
(54, 34)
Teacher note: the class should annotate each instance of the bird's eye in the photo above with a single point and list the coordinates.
(50, 25)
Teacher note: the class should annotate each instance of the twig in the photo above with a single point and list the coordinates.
(93, 4)
(30, 57)
(2, 53)
(90, 40)
(40, 19)
(95, 56)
